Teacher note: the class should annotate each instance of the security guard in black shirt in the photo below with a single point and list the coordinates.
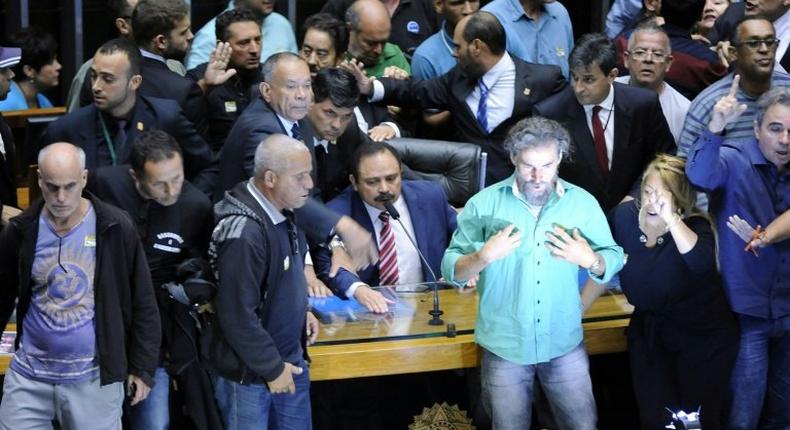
(240, 29)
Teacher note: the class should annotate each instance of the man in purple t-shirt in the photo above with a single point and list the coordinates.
(86, 316)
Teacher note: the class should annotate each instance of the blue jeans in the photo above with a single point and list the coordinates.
(252, 406)
(565, 380)
(153, 413)
(761, 377)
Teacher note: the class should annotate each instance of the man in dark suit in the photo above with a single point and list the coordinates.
(8, 58)
(281, 108)
(324, 45)
(616, 129)
(486, 93)
(106, 128)
(424, 213)
(161, 30)
(161, 39)
(335, 131)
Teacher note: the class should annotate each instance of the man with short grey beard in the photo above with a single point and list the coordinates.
(527, 236)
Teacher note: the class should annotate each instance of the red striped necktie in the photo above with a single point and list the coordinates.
(388, 262)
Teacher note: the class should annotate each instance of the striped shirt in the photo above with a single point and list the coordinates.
(701, 110)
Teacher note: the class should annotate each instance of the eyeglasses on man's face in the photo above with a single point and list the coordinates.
(755, 44)
(643, 54)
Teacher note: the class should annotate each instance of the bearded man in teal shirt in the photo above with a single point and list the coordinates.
(526, 237)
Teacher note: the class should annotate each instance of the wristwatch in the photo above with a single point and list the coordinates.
(596, 266)
(335, 243)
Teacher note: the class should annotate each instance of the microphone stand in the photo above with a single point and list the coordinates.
(435, 313)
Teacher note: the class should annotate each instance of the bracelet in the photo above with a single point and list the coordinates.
(675, 219)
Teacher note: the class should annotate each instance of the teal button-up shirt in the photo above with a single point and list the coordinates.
(530, 307)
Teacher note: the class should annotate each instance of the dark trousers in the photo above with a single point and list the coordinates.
(683, 378)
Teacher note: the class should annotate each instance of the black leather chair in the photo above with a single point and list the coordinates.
(459, 167)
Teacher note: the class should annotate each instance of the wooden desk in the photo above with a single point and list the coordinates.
(374, 348)
(18, 118)
(369, 348)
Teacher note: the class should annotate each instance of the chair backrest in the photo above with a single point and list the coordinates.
(459, 167)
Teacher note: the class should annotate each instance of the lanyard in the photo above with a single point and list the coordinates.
(108, 139)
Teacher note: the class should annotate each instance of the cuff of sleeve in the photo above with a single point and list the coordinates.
(378, 92)
(448, 270)
(393, 126)
(353, 289)
(614, 262)
(308, 259)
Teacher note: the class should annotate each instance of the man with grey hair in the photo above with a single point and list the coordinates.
(285, 96)
(648, 59)
(525, 239)
(750, 178)
(258, 256)
(86, 316)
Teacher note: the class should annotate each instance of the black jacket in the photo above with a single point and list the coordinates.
(82, 128)
(640, 132)
(161, 82)
(127, 323)
(258, 317)
(224, 103)
(7, 167)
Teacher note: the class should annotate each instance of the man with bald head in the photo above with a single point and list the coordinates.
(258, 256)
(369, 28)
(86, 315)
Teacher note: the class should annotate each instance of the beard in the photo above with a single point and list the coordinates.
(537, 193)
(173, 53)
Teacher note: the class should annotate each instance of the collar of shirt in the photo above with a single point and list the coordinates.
(447, 38)
(607, 103)
(148, 54)
(518, 12)
(504, 64)
(287, 124)
(321, 142)
(751, 149)
(373, 212)
(782, 29)
(782, 26)
(274, 215)
(559, 188)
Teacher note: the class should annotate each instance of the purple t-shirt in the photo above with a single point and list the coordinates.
(58, 343)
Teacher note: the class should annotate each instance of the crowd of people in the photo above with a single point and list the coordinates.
(202, 187)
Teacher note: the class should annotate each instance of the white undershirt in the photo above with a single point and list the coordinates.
(606, 115)
(409, 265)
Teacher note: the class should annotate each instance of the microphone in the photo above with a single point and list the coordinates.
(435, 312)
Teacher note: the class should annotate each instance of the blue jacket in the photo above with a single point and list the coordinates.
(433, 220)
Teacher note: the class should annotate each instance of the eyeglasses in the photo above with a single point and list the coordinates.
(755, 44)
(642, 54)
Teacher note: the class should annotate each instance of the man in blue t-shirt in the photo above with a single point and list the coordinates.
(86, 317)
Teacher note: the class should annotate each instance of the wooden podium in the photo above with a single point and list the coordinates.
(393, 345)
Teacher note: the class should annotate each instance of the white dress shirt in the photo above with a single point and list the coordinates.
(501, 83)
(409, 265)
(674, 105)
(287, 125)
(782, 29)
(606, 115)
